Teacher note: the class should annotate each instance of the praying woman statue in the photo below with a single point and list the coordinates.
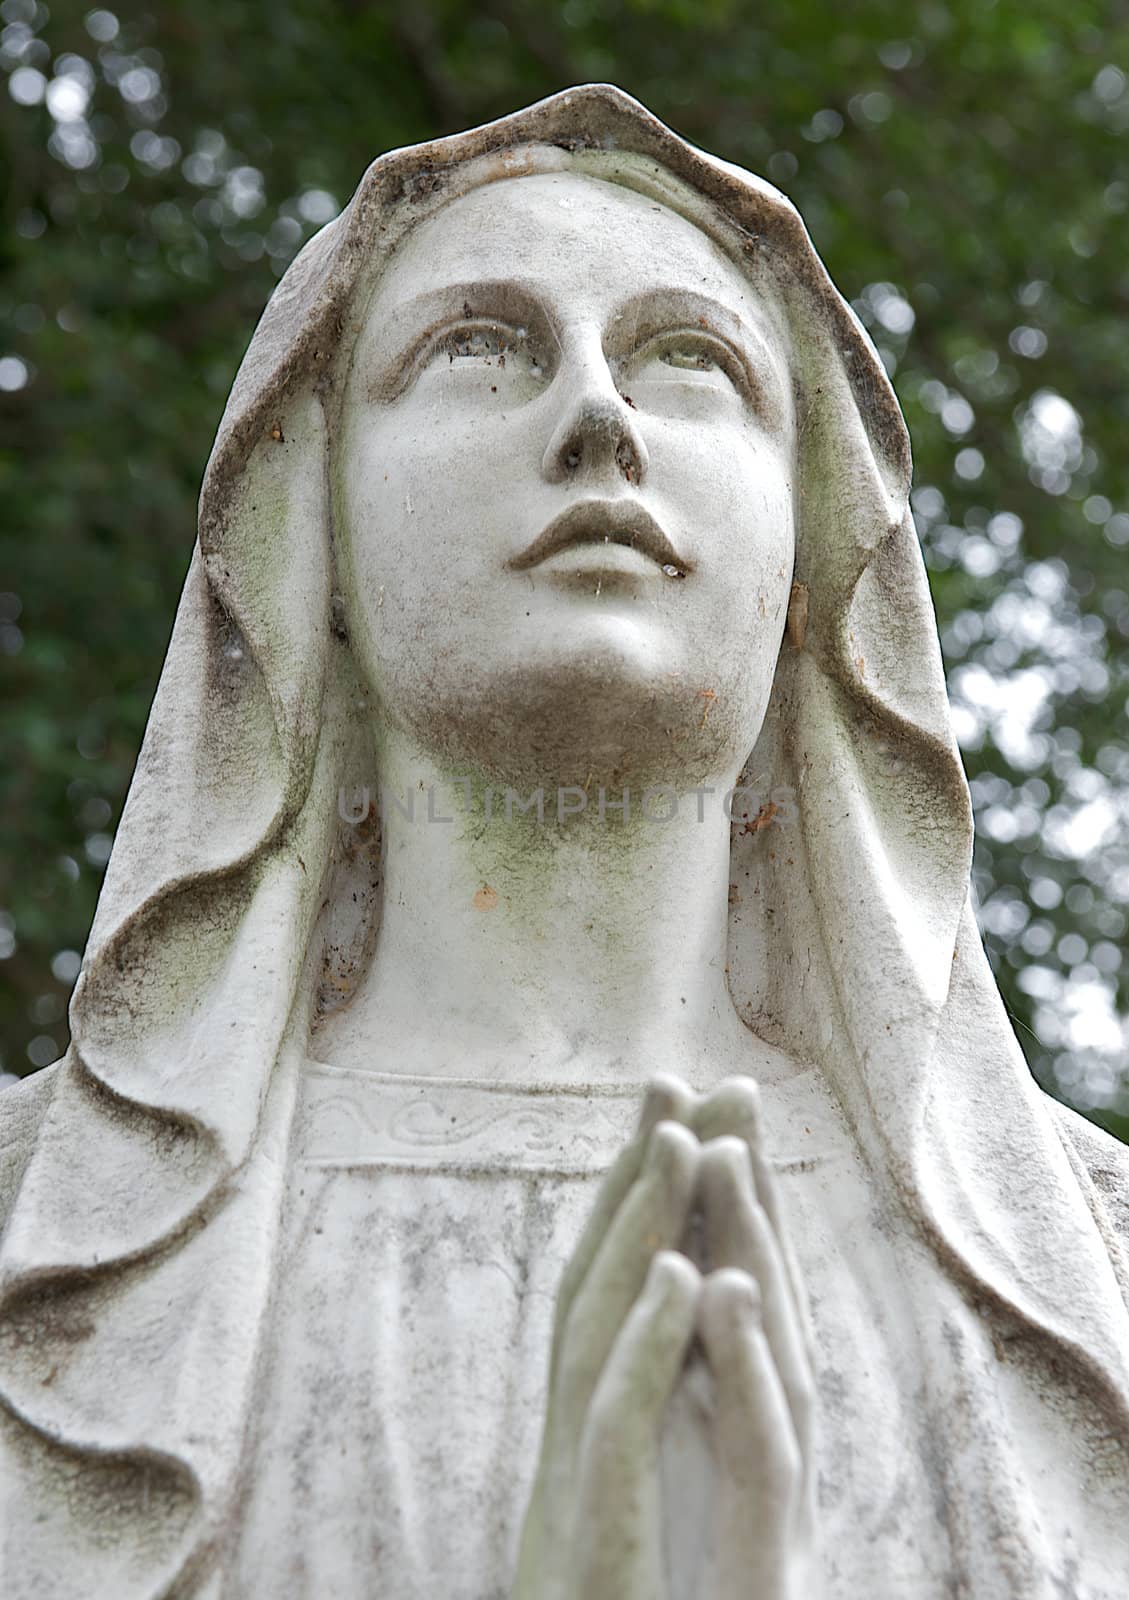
(539, 1123)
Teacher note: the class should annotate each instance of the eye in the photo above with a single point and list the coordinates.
(686, 355)
(687, 358)
(491, 346)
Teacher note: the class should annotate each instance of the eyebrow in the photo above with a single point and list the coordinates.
(519, 304)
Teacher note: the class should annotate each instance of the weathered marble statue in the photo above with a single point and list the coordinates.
(555, 463)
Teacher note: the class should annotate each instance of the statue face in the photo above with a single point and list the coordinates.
(564, 489)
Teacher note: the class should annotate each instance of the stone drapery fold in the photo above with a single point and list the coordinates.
(143, 1218)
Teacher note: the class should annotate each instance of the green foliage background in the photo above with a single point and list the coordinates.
(964, 170)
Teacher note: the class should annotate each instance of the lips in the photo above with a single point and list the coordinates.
(603, 522)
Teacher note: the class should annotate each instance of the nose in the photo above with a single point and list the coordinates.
(596, 433)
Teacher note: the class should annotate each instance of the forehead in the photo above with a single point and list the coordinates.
(582, 239)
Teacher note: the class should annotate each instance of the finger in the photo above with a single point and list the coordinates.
(652, 1217)
(667, 1099)
(620, 1503)
(644, 1362)
(739, 1235)
(734, 1108)
(760, 1468)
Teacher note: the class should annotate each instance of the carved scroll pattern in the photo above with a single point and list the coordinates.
(355, 1118)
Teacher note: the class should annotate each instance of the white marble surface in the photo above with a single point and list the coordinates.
(427, 1226)
(203, 1395)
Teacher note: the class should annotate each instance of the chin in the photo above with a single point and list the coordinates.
(611, 704)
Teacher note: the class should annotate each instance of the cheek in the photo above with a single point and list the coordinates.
(422, 519)
(400, 506)
(729, 489)
(755, 480)
(442, 484)
(747, 541)
(726, 463)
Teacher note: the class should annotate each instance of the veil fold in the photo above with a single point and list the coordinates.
(140, 1239)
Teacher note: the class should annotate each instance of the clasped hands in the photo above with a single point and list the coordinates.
(635, 1308)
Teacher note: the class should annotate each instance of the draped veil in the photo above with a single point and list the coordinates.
(146, 1206)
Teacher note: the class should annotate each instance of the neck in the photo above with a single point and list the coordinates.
(573, 948)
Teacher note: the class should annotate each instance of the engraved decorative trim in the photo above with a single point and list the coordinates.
(350, 1118)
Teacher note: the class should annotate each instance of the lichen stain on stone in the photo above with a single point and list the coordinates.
(357, 881)
(485, 899)
(96, 1499)
(797, 624)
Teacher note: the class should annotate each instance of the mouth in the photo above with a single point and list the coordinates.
(603, 523)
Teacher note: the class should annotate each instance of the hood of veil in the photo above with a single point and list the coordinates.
(144, 1223)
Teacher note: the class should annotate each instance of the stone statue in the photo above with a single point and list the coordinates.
(554, 709)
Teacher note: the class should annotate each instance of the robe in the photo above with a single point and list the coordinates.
(401, 1384)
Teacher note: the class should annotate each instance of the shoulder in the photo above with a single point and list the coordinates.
(1104, 1157)
(22, 1106)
